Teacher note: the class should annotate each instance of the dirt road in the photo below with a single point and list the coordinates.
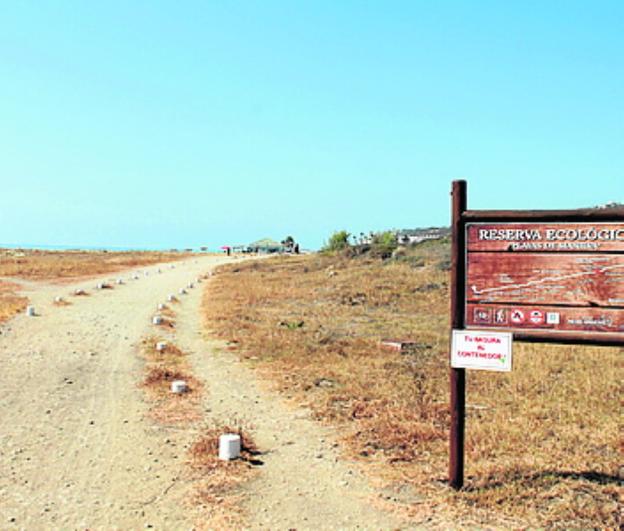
(78, 451)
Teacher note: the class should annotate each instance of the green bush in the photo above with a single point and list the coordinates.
(338, 241)
(383, 244)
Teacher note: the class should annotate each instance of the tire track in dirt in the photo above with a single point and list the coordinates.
(76, 450)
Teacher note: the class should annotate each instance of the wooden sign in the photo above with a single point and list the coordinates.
(552, 276)
(546, 278)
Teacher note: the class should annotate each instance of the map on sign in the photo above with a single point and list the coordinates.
(566, 277)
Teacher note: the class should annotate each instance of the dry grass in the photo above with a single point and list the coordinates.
(66, 265)
(218, 481)
(543, 443)
(162, 368)
(173, 354)
(10, 302)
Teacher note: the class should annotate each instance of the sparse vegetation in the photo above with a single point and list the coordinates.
(543, 442)
(162, 368)
(11, 303)
(383, 244)
(218, 480)
(48, 265)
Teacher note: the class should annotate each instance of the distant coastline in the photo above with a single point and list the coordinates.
(33, 247)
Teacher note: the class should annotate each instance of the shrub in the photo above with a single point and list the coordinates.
(338, 241)
(383, 244)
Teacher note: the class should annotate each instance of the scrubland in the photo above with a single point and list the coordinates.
(10, 300)
(38, 265)
(543, 443)
(54, 265)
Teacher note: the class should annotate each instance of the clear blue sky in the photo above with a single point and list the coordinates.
(159, 124)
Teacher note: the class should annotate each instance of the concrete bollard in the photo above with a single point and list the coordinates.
(99, 285)
(157, 319)
(179, 387)
(161, 306)
(190, 285)
(58, 299)
(197, 280)
(135, 276)
(30, 311)
(80, 292)
(120, 281)
(171, 297)
(161, 346)
(182, 291)
(229, 446)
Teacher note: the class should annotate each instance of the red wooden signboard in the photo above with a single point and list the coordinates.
(547, 278)
(554, 276)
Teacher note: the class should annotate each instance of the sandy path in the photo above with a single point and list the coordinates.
(76, 450)
(303, 483)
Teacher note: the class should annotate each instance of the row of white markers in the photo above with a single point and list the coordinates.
(229, 443)
(31, 312)
(177, 386)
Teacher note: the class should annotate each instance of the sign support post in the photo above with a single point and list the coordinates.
(457, 376)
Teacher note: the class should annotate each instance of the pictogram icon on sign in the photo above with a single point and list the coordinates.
(500, 316)
(483, 315)
(537, 317)
(517, 316)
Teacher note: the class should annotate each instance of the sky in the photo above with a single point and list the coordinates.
(156, 124)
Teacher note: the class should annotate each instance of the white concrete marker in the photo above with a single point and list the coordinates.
(161, 346)
(58, 299)
(171, 297)
(190, 285)
(182, 291)
(135, 276)
(30, 311)
(161, 306)
(120, 281)
(197, 280)
(99, 286)
(157, 319)
(179, 387)
(229, 446)
(79, 292)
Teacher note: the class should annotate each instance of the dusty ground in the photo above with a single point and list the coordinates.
(79, 450)
(543, 442)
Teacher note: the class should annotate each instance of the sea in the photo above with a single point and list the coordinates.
(46, 247)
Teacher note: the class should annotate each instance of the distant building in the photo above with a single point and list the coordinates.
(265, 246)
(414, 236)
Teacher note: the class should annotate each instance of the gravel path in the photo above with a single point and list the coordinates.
(77, 450)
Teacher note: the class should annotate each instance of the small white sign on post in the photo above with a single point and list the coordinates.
(487, 351)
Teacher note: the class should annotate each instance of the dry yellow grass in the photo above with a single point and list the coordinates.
(162, 368)
(214, 482)
(217, 482)
(544, 443)
(11, 303)
(49, 265)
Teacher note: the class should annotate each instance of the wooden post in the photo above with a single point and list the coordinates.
(458, 302)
